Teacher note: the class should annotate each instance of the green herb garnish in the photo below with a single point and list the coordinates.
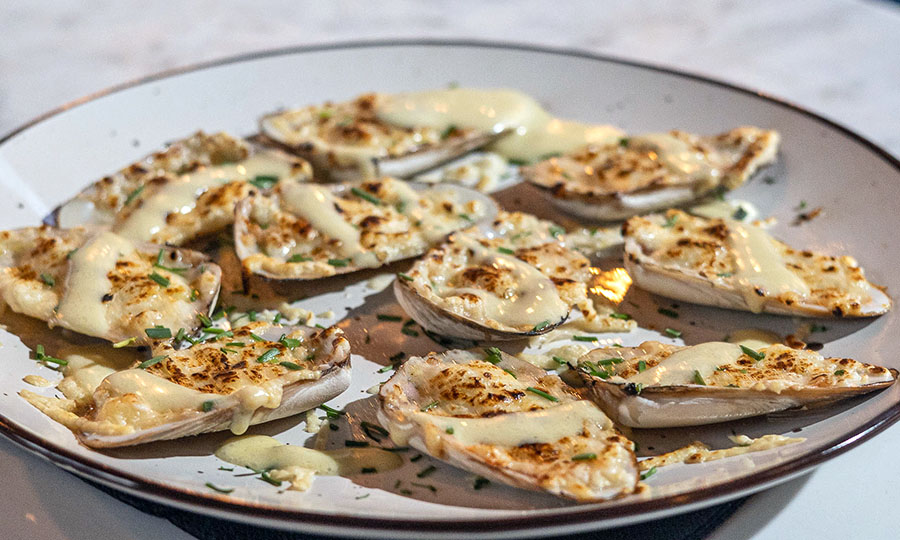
(340, 263)
(506, 251)
(448, 131)
(207, 406)
(584, 457)
(698, 379)
(839, 372)
(650, 472)
(540, 326)
(404, 277)
(494, 355)
(671, 332)
(290, 365)
(133, 195)
(151, 362)
(264, 181)
(556, 231)
(41, 356)
(670, 221)
(753, 354)
(220, 490)
(585, 338)
(641, 366)
(480, 482)
(426, 471)
(290, 343)
(48, 280)
(449, 431)
(299, 258)
(124, 343)
(430, 406)
(158, 332)
(331, 412)
(366, 195)
(409, 331)
(268, 356)
(264, 476)
(162, 281)
(255, 337)
(391, 318)
(541, 393)
(668, 312)
(623, 316)
(560, 361)
(739, 214)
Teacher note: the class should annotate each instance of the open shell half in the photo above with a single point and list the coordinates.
(732, 265)
(211, 386)
(656, 385)
(506, 420)
(641, 174)
(309, 231)
(101, 285)
(347, 141)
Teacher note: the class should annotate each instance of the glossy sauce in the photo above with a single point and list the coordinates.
(534, 132)
(534, 300)
(81, 308)
(680, 367)
(179, 196)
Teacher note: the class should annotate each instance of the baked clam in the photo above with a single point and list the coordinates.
(739, 266)
(184, 192)
(307, 231)
(513, 280)
(99, 284)
(226, 380)
(656, 385)
(504, 419)
(644, 173)
(349, 141)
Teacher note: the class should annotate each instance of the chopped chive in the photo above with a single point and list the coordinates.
(514, 376)
(541, 393)
(268, 356)
(162, 281)
(290, 365)
(264, 476)
(668, 312)
(366, 195)
(355, 444)
(623, 316)
(623, 142)
(426, 471)
(650, 472)
(506, 251)
(641, 366)
(560, 361)
(204, 320)
(724, 274)
(368, 470)
(151, 362)
(584, 457)
(71, 253)
(226, 469)
(671, 332)
(429, 487)
(698, 379)
(48, 280)
(480, 482)
(466, 217)
(555, 231)
(449, 431)
(290, 343)
(813, 328)
(839, 372)
(255, 337)
(134, 195)
(207, 406)
(124, 343)
(610, 361)
(234, 344)
(670, 221)
(594, 370)
(180, 335)
(228, 351)
(218, 331)
(430, 406)
(769, 180)
(638, 387)
(397, 449)
(194, 295)
(158, 332)
(340, 263)
(264, 181)
(374, 431)
(277, 318)
(41, 356)
(753, 354)
(416, 458)
(494, 355)
(585, 338)
(517, 162)
(392, 318)
(448, 131)
(299, 258)
(220, 490)
(251, 314)
(404, 277)
(801, 206)
(739, 214)
(409, 331)
(387, 368)
(159, 264)
(540, 326)
(331, 412)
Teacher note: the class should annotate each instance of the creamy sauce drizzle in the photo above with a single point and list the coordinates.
(679, 368)
(534, 300)
(179, 196)
(81, 308)
(260, 452)
(725, 209)
(534, 132)
(760, 265)
(754, 338)
(515, 429)
(677, 156)
(316, 204)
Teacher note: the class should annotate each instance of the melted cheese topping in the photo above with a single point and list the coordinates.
(760, 265)
(82, 307)
(316, 204)
(263, 453)
(515, 429)
(179, 196)
(535, 132)
(681, 367)
(160, 395)
(532, 300)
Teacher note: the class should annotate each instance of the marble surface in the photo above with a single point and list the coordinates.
(837, 58)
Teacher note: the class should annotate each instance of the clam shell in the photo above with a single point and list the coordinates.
(334, 363)
(613, 182)
(247, 246)
(408, 393)
(405, 153)
(694, 404)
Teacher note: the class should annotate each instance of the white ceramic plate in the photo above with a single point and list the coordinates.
(856, 183)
